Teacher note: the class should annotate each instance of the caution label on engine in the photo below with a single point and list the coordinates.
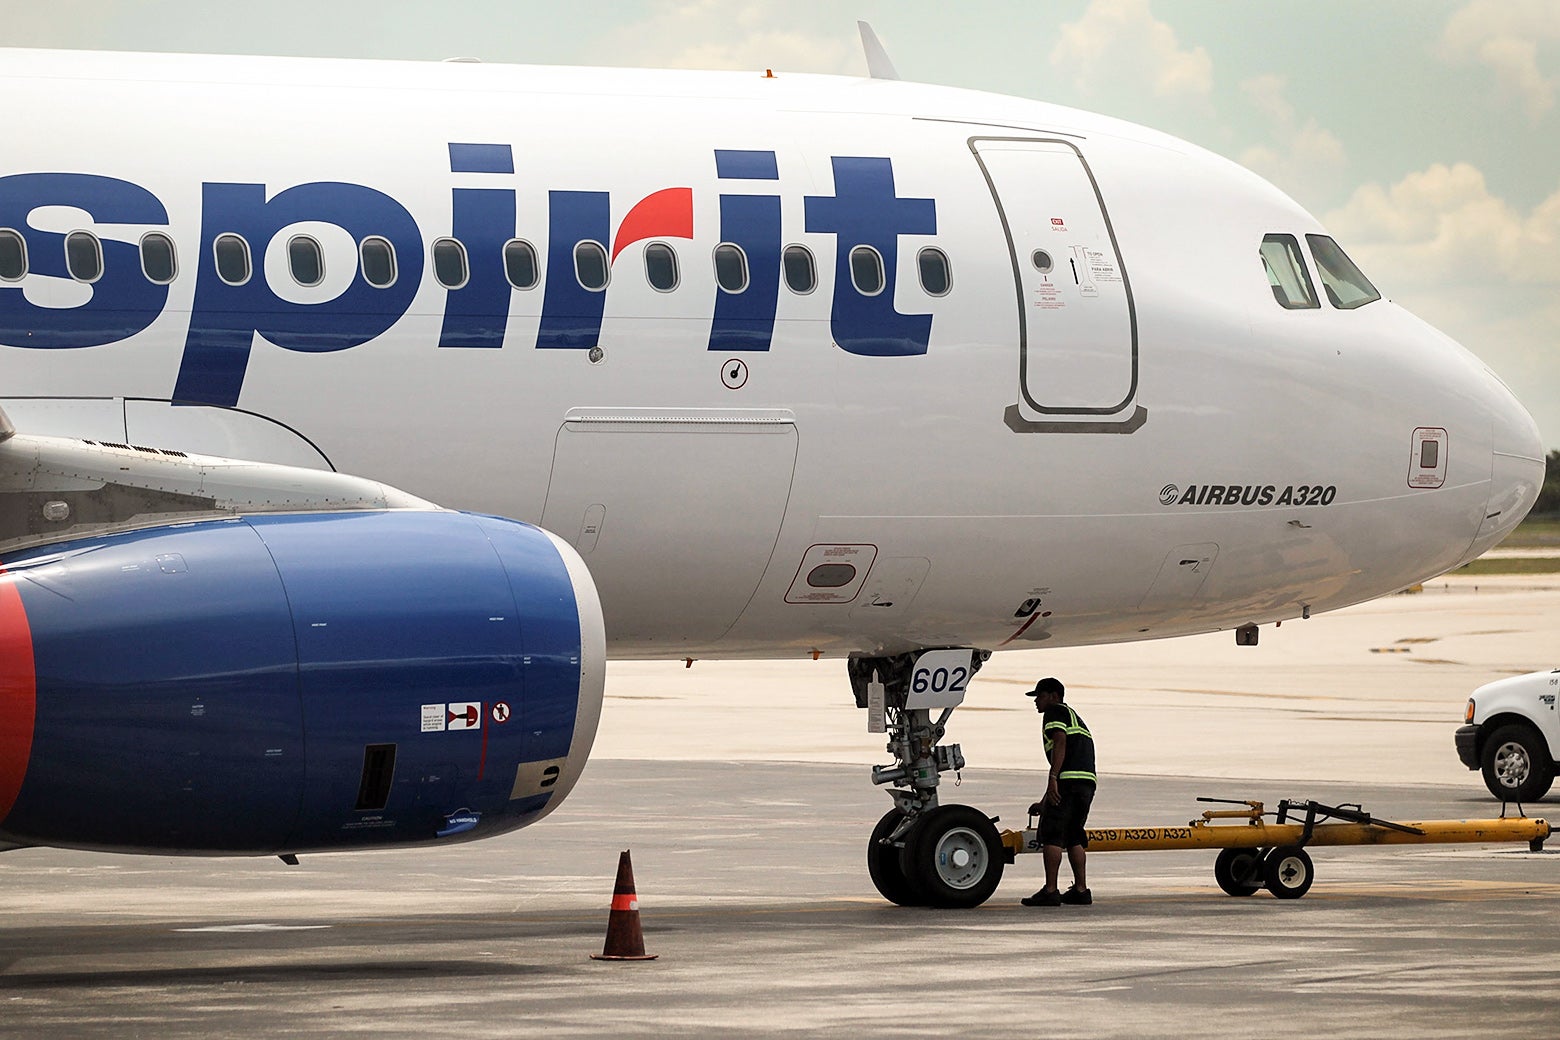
(441, 718)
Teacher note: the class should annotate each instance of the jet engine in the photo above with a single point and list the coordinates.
(290, 683)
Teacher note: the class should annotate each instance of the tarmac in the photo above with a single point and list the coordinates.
(743, 792)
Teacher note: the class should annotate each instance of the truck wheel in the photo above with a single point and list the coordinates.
(1517, 766)
(883, 864)
(1238, 871)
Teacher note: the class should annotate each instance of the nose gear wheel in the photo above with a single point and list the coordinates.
(953, 857)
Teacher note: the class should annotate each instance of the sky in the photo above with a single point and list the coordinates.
(1424, 133)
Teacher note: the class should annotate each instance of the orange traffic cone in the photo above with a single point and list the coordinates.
(625, 940)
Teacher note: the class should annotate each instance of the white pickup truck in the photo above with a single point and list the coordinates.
(1513, 735)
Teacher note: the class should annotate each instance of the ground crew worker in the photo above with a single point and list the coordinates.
(1069, 792)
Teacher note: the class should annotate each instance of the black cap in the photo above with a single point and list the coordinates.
(1047, 685)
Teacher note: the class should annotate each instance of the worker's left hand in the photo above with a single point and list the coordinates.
(1053, 792)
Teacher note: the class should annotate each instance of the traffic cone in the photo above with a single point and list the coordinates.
(625, 940)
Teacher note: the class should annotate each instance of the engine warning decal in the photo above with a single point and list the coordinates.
(441, 718)
(464, 716)
(500, 712)
(18, 694)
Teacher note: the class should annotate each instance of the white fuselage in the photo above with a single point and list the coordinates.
(1041, 472)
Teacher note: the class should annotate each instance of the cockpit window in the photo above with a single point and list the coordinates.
(1346, 287)
(1286, 272)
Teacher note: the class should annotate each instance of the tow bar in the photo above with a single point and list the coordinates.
(1258, 854)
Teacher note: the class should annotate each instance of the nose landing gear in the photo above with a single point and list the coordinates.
(922, 853)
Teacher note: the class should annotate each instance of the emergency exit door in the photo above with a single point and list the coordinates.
(1077, 330)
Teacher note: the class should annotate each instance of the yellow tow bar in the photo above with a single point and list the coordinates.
(1258, 854)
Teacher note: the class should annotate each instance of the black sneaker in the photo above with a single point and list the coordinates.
(1076, 897)
(1044, 897)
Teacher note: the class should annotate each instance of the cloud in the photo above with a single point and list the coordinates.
(1303, 158)
(712, 34)
(1506, 35)
(1471, 264)
(1114, 37)
(1443, 226)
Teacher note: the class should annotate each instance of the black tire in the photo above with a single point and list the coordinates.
(1287, 872)
(1517, 766)
(883, 864)
(1239, 871)
(953, 857)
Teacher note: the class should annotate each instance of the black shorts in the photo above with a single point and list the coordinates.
(1063, 825)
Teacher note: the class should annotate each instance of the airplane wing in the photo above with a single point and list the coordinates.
(55, 488)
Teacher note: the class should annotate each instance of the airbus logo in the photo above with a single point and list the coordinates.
(1248, 495)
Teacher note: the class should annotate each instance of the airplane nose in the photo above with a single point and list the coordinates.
(1516, 467)
(1516, 434)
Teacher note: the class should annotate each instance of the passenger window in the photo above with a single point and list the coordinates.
(661, 266)
(449, 263)
(1286, 272)
(306, 260)
(731, 269)
(936, 278)
(378, 258)
(590, 265)
(866, 270)
(1345, 285)
(232, 255)
(801, 274)
(520, 264)
(13, 256)
(159, 262)
(83, 256)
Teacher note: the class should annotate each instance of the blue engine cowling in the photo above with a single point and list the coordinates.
(294, 683)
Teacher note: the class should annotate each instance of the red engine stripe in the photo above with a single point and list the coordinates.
(18, 694)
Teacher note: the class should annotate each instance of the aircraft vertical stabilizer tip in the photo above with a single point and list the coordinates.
(879, 65)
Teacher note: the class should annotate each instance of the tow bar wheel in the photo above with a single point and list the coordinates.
(1239, 871)
(953, 857)
(1288, 873)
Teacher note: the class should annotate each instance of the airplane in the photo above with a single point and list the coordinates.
(696, 365)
